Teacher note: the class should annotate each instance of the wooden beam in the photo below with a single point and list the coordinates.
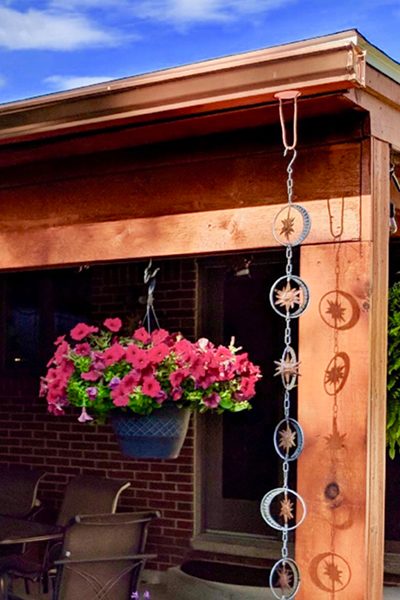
(331, 545)
(341, 473)
(376, 439)
(384, 117)
(177, 235)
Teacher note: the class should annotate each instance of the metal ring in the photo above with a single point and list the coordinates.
(288, 296)
(288, 225)
(266, 512)
(299, 445)
(295, 573)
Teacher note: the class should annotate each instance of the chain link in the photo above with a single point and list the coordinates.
(289, 257)
(288, 333)
(286, 404)
(285, 470)
(285, 537)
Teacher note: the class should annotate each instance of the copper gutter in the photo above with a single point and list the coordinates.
(318, 66)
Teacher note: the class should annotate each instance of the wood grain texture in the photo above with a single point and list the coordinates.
(384, 118)
(174, 235)
(233, 173)
(375, 526)
(336, 519)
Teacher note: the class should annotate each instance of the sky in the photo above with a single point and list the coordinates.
(52, 45)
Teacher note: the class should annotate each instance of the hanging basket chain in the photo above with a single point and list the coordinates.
(150, 280)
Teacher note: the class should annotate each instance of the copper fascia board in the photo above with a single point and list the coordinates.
(238, 81)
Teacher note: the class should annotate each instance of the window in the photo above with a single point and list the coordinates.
(37, 306)
(239, 462)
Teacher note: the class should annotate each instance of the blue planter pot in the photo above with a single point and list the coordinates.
(159, 435)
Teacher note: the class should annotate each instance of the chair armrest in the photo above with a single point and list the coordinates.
(71, 561)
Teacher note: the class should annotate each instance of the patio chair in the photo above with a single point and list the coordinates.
(18, 490)
(83, 494)
(18, 497)
(103, 556)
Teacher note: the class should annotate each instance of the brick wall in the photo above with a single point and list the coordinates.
(64, 448)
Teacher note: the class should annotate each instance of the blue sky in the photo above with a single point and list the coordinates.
(52, 45)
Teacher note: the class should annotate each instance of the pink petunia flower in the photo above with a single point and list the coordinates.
(158, 353)
(82, 349)
(241, 362)
(43, 387)
(113, 325)
(140, 360)
(161, 397)
(176, 393)
(129, 382)
(142, 335)
(55, 409)
(92, 392)
(121, 399)
(91, 376)
(151, 387)
(61, 351)
(213, 400)
(60, 339)
(247, 387)
(178, 376)
(84, 416)
(113, 354)
(184, 349)
(81, 331)
(159, 335)
(223, 353)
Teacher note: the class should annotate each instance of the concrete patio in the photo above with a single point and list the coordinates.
(159, 592)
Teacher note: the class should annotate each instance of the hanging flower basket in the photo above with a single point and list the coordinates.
(159, 435)
(107, 374)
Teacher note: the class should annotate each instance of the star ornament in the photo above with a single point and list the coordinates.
(285, 578)
(288, 297)
(287, 367)
(286, 510)
(287, 227)
(287, 439)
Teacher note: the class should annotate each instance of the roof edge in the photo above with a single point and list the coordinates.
(317, 66)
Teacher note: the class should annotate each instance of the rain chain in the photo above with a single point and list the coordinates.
(289, 297)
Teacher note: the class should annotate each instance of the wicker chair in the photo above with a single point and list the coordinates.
(103, 556)
(84, 494)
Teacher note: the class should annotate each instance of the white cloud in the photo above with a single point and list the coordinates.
(178, 11)
(191, 11)
(46, 30)
(2, 81)
(68, 82)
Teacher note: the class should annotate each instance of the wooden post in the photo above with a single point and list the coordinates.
(342, 402)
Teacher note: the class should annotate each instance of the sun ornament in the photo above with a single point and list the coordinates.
(289, 296)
